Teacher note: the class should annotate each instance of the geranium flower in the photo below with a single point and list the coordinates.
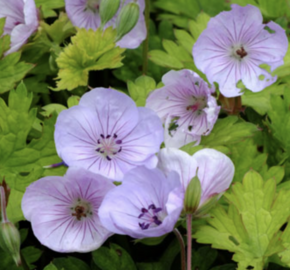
(21, 21)
(186, 107)
(107, 134)
(85, 14)
(215, 169)
(144, 205)
(64, 210)
(235, 44)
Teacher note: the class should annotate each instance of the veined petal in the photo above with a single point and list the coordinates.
(215, 172)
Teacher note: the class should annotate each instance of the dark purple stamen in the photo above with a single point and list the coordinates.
(108, 136)
(120, 149)
(99, 141)
(102, 152)
(118, 141)
(102, 136)
(115, 135)
(108, 158)
(98, 149)
(150, 216)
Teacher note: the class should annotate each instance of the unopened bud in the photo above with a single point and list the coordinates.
(9, 235)
(10, 241)
(127, 19)
(192, 196)
(108, 9)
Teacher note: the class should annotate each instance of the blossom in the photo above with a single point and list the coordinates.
(64, 210)
(186, 106)
(85, 14)
(215, 170)
(234, 46)
(21, 21)
(107, 134)
(143, 205)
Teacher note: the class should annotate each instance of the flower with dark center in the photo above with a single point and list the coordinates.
(186, 107)
(235, 45)
(85, 14)
(21, 21)
(144, 205)
(107, 134)
(63, 211)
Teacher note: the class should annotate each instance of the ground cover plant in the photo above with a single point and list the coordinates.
(144, 135)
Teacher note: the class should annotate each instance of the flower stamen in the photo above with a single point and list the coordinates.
(150, 216)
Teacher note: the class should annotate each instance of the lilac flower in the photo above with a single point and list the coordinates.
(21, 21)
(85, 14)
(235, 44)
(215, 170)
(64, 210)
(107, 134)
(144, 205)
(186, 107)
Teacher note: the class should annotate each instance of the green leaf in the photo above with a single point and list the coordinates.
(227, 131)
(260, 101)
(31, 255)
(113, 258)
(4, 40)
(61, 29)
(70, 263)
(197, 27)
(50, 267)
(165, 60)
(165, 261)
(51, 108)
(47, 7)
(73, 101)
(12, 71)
(203, 258)
(22, 163)
(251, 226)
(140, 89)
(90, 50)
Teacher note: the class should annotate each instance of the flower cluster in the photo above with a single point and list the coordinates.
(106, 138)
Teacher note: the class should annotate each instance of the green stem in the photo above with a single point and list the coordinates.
(146, 41)
(3, 205)
(189, 240)
(182, 248)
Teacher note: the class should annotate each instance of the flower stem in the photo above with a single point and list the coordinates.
(182, 248)
(146, 41)
(3, 205)
(189, 240)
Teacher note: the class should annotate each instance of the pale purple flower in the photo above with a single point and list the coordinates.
(63, 211)
(186, 107)
(215, 169)
(235, 44)
(107, 134)
(21, 21)
(85, 14)
(144, 205)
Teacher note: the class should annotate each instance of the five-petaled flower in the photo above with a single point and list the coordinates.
(64, 210)
(186, 107)
(21, 21)
(107, 134)
(144, 205)
(85, 14)
(234, 46)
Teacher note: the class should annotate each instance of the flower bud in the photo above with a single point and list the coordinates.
(207, 205)
(127, 19)
(108, 9)
(10, 240)
(192, 196)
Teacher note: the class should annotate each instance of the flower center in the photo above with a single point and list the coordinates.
(81, 209)
(238, 52)
(150, 217)
(109, 145)
(197, 105)
(93, 5)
